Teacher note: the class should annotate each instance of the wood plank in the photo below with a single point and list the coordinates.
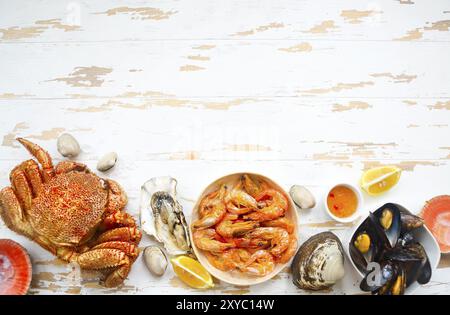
(71, 21)
(240, 69)
(235, 129)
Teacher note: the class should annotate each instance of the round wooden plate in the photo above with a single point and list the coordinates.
(236, 277)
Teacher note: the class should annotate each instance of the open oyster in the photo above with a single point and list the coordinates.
(162, 216)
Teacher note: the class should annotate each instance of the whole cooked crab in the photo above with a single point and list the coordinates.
(71, 212)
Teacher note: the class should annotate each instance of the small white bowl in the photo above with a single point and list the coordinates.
(357, 212)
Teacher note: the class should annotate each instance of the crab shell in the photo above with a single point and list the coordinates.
(71, 212)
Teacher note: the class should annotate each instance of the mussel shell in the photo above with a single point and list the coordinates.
(406, 239)
(409, 221)
(385, 273)
(379, 243)
(319, 262)
(413, 260)
(383, 281)
(394, 231)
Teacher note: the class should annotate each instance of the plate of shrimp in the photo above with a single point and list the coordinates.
(244, 228)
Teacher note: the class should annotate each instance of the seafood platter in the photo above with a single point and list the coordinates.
(243, 229)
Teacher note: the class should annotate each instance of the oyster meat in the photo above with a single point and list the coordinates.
(319, 263)
(162, 215)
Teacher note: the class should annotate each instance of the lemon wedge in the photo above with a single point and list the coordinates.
(191, 272)
(380, 179)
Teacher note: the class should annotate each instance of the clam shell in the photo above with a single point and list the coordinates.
(155, 260)
(302, 197)
(162, 216)
(107, 162)
(319, 263)
(68, 146)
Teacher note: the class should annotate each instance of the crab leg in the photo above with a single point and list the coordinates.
(124, 234)
(128, 248)
(20, 185)
(12, 213)
(68, 166)
(31, 169)
(117, 219)
(41, 155)
(104, 258)
(117, 198)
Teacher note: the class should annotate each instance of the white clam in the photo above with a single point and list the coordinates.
(155, 260)
(319, 263)
(302, 197)
(67, 145)
(107, 161)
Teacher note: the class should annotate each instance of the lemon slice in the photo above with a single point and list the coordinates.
(191, 272)
(380, 179)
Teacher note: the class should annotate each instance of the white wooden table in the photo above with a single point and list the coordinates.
(305, 92)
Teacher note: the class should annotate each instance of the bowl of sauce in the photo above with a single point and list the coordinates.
(343, 202)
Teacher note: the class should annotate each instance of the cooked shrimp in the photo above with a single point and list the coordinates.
(252, 186)
(221, 262)
(229, 228)
(276, 202)
(278, 237)
(209, 240)
(280, 222)
(255, 243)
(240, 202)
(212, 209)
(260, 263)
(229, 259)
(289, 252)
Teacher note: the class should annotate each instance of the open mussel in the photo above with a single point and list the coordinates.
(162, 215)
(368, 243)
(389, 219)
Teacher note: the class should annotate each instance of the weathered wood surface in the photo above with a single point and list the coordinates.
(304, 92)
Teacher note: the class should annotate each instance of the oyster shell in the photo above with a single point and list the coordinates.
(319, 263)
(162, 216)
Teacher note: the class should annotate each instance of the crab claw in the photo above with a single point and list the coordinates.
(41, 155)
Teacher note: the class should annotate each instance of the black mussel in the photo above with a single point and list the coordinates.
(358, 258)
(413, 260)
(378, 276)
(406, 239)
(386, 278)
(389, 219)
(424, 274)
(368, 243)
(409, 221)
(397, 285)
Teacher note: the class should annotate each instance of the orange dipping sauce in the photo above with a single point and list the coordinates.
(342, 201)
